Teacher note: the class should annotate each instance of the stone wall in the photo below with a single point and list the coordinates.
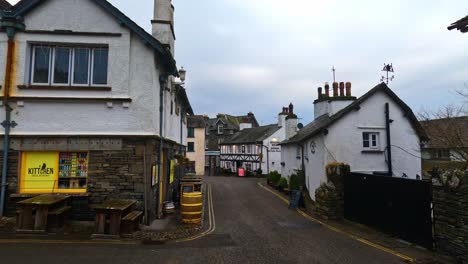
(329, 197)
(450, 199)
(116, 173)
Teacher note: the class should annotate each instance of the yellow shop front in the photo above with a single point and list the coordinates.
(53, 172)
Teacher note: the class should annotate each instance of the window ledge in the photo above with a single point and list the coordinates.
(372, 151)
(67, 87)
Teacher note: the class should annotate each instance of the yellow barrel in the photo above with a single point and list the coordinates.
(191, 207)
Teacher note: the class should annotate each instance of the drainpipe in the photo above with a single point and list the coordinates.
(388, 121)
(11, 25)
(145, 182)
(303, 163)
(162, 85)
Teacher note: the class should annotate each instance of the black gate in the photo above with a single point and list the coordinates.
(398, 206)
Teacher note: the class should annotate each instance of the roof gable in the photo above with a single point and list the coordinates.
(4, 4)
(23, 7)
(321, 123)
(252, 135)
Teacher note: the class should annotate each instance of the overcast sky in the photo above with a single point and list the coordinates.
(260, 55)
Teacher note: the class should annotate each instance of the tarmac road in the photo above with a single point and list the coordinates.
(252, 226)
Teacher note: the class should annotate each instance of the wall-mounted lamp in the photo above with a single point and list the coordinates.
(182, 74)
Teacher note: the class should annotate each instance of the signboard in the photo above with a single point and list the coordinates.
(275, 147)
(39, 172)
(154, 175)
(171, 177)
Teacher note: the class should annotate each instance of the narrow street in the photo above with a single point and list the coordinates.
(252, 226)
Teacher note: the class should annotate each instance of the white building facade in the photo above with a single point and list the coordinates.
(82, 78)
(355, 131)
(259, 148)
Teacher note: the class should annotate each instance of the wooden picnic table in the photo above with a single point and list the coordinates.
(115, 209)
(41, 204)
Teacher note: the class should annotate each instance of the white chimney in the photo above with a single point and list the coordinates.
(327, 104)
(163, 23)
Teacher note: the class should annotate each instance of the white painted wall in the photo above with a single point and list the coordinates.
(133, 73)
(290, 160)
(343, 143)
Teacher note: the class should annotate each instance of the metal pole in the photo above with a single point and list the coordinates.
(7, 124)
(268, 160)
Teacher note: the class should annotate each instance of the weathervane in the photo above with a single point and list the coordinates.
(387, 68)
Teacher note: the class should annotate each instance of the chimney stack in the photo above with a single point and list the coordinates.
(291, 109)
(348, 89)
(163, 23)
(342, 86)
(320, 93)
(327, 90)
(335, 89)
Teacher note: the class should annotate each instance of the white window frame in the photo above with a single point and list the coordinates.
(92, 68)
(220, 129)
(71, 66)
(72, 77)
(371, 146)
(32, 64)
(249, 149)
(52, 67)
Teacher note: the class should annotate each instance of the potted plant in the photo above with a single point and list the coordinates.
(275, 178)
(294, 182)
(282, 183)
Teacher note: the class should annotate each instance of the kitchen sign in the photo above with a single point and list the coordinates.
(39, 171)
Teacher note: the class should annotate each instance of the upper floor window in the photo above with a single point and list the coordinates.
(370, 141)
(77, 66)
(191, 132)
(191, 147)
(220, 129)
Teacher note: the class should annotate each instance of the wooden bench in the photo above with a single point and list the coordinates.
(131, 222)
(57, 216)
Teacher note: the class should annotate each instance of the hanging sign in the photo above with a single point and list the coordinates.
(39, 171)
(171, 179)
(154, 175)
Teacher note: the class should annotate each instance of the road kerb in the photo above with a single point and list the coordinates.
(211, 221)
(337, 230)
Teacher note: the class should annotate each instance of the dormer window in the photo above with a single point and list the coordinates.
(220, 129)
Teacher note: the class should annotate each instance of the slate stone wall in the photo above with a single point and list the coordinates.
(329, 197)
(450, 199)
(111, 174)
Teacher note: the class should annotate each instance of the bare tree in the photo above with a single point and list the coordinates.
(448, 130)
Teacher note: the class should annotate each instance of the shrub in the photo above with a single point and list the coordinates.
(294, 182)
(275, 177)
(259, 172)
(283, 182)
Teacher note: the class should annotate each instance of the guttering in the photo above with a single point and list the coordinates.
(11, 25)
(162, 86)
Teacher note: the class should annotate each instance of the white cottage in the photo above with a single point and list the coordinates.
(376, 134)
(91, 95)
(258, 147)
